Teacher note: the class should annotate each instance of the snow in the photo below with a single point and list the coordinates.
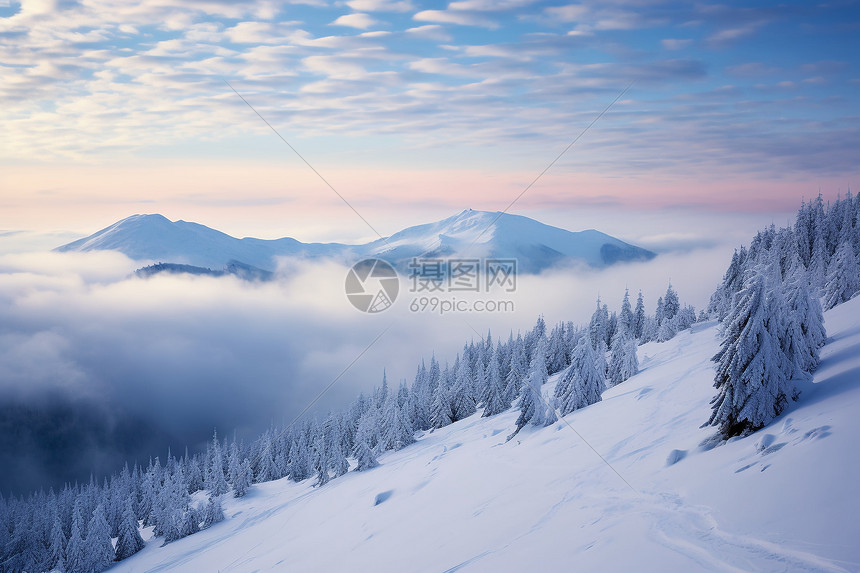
(462, 499)
(468, 234)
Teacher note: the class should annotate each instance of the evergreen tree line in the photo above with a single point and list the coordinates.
(73, 530)
(770, 304)
(823, 245)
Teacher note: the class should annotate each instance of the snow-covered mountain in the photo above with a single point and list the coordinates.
(666, 498)
(535, 245)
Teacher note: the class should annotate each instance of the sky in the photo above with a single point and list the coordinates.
(680, 127)
(413, 111)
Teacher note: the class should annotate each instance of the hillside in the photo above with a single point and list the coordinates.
(470, 233)
(462, 499)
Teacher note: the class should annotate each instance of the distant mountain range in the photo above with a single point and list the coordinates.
(191, 247)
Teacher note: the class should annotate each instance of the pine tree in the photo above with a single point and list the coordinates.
(751, 382)
(581, 384)
(129, 540)
(818, 261)
(215, 480)
(299, 464)
(321, 460)
(75, 556)
(599, 325)
(495, 390)
(533, 409)
(480, 383)
(241, 476)
(600, 358)
(337, 457)
(639, 318)
(57, 548)
(420, 399)
(441, 413)
(400, 430)
(843, 277)
(99, 552)
(556, 351)
(671, 304)
(363, 450)
(214, 512)
(806, 310)
(463, 403)
(626, 320)
(147, 496)
(623, 362)
(666, 330)
(266, 468)
(516, 372)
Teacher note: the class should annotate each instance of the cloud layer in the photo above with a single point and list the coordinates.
(98, 367)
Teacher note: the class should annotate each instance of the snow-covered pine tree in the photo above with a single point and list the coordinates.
(639, 317)
(623, 362)
(363, 448)
(533, 409)
(321, 459)
(337, 457)
(441, 413)
(581, 384)
(463, 403)
(57, 547)
(75, 557)
(166, 511)
(556, 350)
(244, 478)
(600, 358)
(671, 304)
(214, 511)
(193, 473)
(818, 263)
(752, 387)
(517, 371)
(733, 280)
(381, 394)
(480, 383)
(599, 325)
(843, 276)
(299, 463)
(806, 309)
(129, 540)
(98, 548)
(666, 330)
(626, 320)
(215, 480)
(148, 489)
(420, 399)
(495, 389)
(266, 469)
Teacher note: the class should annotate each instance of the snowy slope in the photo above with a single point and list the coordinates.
(470, 233)
(462, 499)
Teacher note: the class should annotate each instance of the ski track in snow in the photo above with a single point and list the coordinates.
(462, 499)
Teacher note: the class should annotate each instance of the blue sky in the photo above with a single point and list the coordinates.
(111, 108)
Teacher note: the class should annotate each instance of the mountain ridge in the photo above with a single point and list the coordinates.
(537, 246)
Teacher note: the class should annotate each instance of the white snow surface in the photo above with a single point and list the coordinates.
(463, 499)
(467, 234)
